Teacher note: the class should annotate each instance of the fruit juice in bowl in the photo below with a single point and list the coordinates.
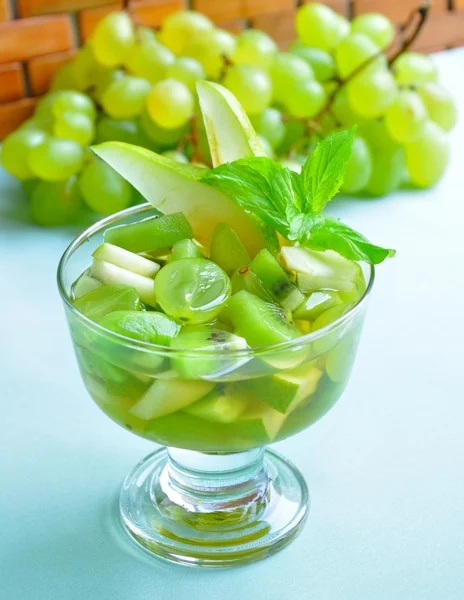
(203, 330)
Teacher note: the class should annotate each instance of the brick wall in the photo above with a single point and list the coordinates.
(37, 36)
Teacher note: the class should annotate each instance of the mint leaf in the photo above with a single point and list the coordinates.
(258, 185)
(319, 232)
(322, 173)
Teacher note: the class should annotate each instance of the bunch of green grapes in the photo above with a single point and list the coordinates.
(134, 85)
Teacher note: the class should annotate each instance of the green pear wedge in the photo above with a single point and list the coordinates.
(171, 187)
(230, 134)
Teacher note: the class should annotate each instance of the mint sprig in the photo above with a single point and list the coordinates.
(292, 202)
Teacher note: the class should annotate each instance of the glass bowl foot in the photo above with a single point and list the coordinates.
(213, 510)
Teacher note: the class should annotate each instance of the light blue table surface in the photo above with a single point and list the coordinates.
(385, 467)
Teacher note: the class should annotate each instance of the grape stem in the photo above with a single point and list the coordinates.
(422, 11)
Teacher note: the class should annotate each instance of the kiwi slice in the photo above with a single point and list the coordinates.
(276, 280)
(245, 279)
(227, 249)
(105, 299)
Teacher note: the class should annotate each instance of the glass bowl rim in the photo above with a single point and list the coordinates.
(157, 348)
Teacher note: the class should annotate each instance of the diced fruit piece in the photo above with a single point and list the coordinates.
(340, 360)
(193, 290)
(315, 304)
(106, 299)
(230, 134)
(148, 235)
(84, 285)
(166, 396)
(321, 270)
(224, 404)
(185, 249)
(171, 187)
(276, 280)
(215, 343)
(146, 326)
(113, 275)
(227, 249)
(303, 326)
(261, 422)
(285, 391)
(328, 341)
(245, 279)
(126, 260)
(122, 417)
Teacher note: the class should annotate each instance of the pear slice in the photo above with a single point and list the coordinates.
(230, 133)
(171, 187)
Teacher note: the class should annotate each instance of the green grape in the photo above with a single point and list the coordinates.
(15, 150)
(125, 98)
(295, 129)
(287, 71)
(163, 138)
(187, 70)
(371, 93)
(358, 168)
(72, 101)
(388, 159)
(321, 62)
(211, 48)
(181, 27)
(270, 125)
(355, 50)
(343, 28)
(64, 79)
(266, 146)
(176, 156)
(86, 69)
(305, 100)
(119, 130)
(112, 39)
(255, 48)
(412, 67)
(149, 60)
(406, 117)
(193, 290)
(251, 86)
(317, 25)
(55, 203)
(78, 127)
(43, 109)
(343, 111)
(104, 190)
(55, 159)
(107, 77)
(427, 155)
(439, 104)
(170, 104)
(376, 26)
(145, 34)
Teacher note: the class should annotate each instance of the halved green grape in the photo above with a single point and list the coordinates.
(15, 150)
(321, 62)
(412, 67)
(104, 190)
(211, 48)
(54, 159)
(125, 98)
(227, 249)
(75, 126)
(354, 51)
(317, 26)
(146, 326)
(439, 104)
(269, 125)
(55, 203)
(170, 104)
(376, 26)
(372, 92)
(105, 299)
(112, 39)
(255, 48)
(162, 137)
(83, 285)
(193, 290)
(68, 100)
(406, 117)
(286, 71)
(427, 155)
(181, 27)
(150, 235)
(149, 60)
(251, 86)
(185, 249)
(186, 70)
(305, 99)
(119, 130)
(358, 168)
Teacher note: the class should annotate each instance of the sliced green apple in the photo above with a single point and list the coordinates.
(171, 187)
(126, 260)
(230, 133)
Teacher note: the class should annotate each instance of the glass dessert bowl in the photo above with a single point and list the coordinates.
(214, 495)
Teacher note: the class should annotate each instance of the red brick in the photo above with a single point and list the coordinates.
(229, 10)
(397, 10)
(42, 69)
(5, 11)
(12, 114)
(280, 26)
(32, 8)
(11, 82)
